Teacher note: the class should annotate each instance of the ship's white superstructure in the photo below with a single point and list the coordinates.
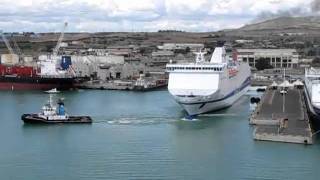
(51, 112)
(312, 90)
(50, 67)
(207, 86)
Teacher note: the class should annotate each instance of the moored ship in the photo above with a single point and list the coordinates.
(47, 76)
(312, 93)
(204, 86)
(48, 73)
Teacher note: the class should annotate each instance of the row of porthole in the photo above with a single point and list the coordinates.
(194, 68)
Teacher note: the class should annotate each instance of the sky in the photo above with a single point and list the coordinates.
(144, 15)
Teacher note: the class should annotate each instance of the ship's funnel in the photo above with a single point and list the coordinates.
(219, 55)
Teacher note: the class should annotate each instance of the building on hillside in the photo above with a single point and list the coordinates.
(126, 51)
(179, 46)
(278, 58)
(89, 65)
(162, 54)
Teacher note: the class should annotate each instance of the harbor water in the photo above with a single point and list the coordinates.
(139, 135)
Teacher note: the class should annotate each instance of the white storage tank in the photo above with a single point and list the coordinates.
(30, 63)
(9, 59)
(27, 59)
(42, 57)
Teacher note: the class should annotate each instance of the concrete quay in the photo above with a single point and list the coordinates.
(282, 118)
(259, 82)
(122, 85)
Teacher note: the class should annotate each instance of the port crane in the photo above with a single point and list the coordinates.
(56, 49)
(16, 50)
(5, 40)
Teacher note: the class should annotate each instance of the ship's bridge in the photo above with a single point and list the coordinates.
(194, 67)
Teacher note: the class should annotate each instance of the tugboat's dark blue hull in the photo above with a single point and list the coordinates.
(35, 119)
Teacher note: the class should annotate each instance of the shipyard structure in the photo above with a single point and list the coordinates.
(62, 69)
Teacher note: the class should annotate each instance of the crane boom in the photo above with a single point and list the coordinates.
(5, 40)
(56, 49)
(17, 48)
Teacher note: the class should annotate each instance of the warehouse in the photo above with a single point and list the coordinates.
(278, 58)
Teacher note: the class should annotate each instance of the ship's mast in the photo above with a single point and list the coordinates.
(50, 100)
(200, 57)
(284, 95)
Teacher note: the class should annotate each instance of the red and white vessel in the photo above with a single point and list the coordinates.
(53, 72)
(46, 76)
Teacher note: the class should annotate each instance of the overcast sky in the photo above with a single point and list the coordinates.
(142, 15)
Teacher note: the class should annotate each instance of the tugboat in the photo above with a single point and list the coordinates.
(52, 91)
(54, 114)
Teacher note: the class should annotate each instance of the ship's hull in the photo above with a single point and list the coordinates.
(216, 104)
(35, 119)
(35, 83)
(313, 111)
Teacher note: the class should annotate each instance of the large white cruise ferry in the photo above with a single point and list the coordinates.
(205, 86)
(312, 91)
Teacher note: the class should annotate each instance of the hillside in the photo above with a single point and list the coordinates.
(303, 25)
(282, 23)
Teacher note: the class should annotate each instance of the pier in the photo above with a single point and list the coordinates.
(282, 118)
(124, 85)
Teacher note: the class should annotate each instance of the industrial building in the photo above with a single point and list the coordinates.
(278, 58)
(174, 46)
(106, 67)
(90, 64)
(162, 54)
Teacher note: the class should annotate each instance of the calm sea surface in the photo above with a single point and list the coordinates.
(142, 136)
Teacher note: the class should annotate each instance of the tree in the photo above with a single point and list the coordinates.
(316, 62)
(262, 64)
(49, 48)
(142, 50)
(187, 49)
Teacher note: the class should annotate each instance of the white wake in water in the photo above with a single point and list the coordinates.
(152, 120)
(218, 115)
(190, 120)
(136, 121)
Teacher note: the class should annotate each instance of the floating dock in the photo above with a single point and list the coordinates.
(282, 118)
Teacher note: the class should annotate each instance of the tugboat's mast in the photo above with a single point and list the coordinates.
(50, 100)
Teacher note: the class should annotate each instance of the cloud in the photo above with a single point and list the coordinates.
(293, 8)
(143, 15)
(315, 6)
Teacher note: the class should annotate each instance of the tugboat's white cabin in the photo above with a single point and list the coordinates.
(48, 110)
(51, 112)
